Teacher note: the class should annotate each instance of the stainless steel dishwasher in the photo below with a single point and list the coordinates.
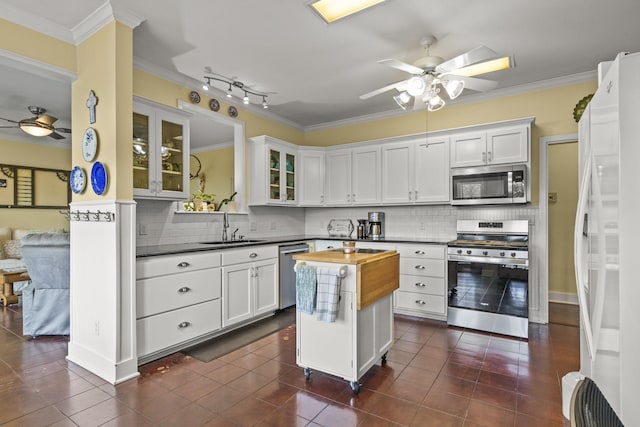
(287, 274)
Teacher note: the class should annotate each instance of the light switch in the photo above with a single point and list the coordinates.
(553, 197)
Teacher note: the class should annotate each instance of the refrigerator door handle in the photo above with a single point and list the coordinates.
(578, 249)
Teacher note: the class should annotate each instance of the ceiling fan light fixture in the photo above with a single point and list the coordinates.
(416, 86)
(402, 100)
(333, 10)
(485, 67)
(453, 87)
(435, 103)
(35, 128)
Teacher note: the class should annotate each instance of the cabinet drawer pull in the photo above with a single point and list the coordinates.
(183, 264)
(419, 252)
(253, 255)
(419, 301)
(183, 325)
(420, 285)
(184, 289)
(420, 267)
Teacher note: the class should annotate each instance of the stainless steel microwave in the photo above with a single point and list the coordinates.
(489, 185)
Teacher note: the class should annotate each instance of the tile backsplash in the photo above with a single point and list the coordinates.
(158, 223)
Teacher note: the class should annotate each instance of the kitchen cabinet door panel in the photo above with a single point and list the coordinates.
(509, 145)
(311, 184)
(431, 171)
(468, 149)
(265, 286)
(338, 177)
(397, 173)
(365, 182)
(236, 294)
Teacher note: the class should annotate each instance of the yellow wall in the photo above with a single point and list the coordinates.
(37, 155)
(563, 180)
(217, 167)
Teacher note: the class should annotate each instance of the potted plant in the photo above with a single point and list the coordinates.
(201, 201)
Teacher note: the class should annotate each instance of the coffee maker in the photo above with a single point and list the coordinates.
(376, 225)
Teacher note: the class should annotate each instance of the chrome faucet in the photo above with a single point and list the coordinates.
(225, 226)
(233, 235)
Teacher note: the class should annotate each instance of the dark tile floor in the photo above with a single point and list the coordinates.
(435, 376)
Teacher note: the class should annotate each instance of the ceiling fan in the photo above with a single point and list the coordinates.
(431, 73)
(39, 125)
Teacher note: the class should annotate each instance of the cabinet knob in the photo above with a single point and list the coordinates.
(184, 289)
(419, 252)
(420, 267)
(253, 255)
(183, 264)
(409, 195)
(419, 301)
(420, 285)
(353, 198)
(489, 157)
(183, 325)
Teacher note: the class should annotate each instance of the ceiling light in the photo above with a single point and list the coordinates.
(245, 99)
(485, 67)
(416, 86)
(402, 100)
(435, 103)
(264, 102)
(241, 87)
(35, 128)
(229, 92)
(453, 88)
(205, 86)
(332, 10)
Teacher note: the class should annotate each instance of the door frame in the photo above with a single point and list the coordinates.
(543, 228)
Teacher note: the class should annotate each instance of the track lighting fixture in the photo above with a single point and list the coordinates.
(238, 85)
(205, 87)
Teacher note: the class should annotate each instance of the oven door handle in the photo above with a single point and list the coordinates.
(489, 260)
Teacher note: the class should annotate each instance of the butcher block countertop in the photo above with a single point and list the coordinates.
(377, 271)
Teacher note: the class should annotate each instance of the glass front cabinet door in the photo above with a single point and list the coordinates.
(160, 152)
(272, 180)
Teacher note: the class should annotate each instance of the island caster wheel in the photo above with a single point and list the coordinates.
(307, 373)
(384, 358)
(355, 387)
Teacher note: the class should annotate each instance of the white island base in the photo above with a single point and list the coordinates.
(352, 344)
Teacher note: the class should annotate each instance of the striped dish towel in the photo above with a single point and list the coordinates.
(328, 302)
(306, 284)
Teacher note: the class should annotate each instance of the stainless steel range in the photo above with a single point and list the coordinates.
(488, 277)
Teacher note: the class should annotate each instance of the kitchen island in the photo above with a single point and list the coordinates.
(362, 332)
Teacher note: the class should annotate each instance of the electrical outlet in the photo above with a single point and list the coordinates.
(253, 226)
(142, 229)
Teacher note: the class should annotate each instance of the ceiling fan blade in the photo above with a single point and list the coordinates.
(479, 85)
(8, 127)
(485, 67)
(479, 54)
(46, 119)
(56, 136)
(8, 120)
(63, 130)
(383, 89)
(403, 66)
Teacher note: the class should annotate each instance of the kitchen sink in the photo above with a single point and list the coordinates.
(230, 242)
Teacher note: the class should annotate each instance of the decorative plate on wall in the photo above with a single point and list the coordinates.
(98, 178)
(194, 97)
(77, 180)
(233, 111)
(89, 144)
(214, 104)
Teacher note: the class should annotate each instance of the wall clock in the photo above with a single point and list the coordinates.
(89, 144)
(233, 111)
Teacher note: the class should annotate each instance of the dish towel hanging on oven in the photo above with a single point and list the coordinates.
(328, 302)
(306, 284)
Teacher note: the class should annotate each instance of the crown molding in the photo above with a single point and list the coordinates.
(191, 83)
(101, 17)
(32, 66)
(467, 99)
(36, 23)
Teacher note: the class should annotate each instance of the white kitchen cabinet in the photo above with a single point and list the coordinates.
(491, 146)
(177, 302)
(416, 171)
(249, 283)
(353, 176)
(273, 172)
(160, 146)
(423, 285)
(311, 182)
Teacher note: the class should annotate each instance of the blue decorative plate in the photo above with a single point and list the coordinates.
(77, 180)
(98, 178)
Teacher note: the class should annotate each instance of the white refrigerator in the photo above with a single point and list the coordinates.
(607, 236)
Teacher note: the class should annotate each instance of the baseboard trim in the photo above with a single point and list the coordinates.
(563, 298)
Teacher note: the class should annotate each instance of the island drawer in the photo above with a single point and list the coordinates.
(420, 302)
(174, 327)
(254, 253)
(160, 294)
(421, 251)
(170, 264)
(422, 285)
(422, 267)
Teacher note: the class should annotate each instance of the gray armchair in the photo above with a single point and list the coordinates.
(45, 300)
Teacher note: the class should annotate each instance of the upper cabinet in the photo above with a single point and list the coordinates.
(353, 176)
(160, 147)
(416, 171)
(311, 174)
(273, 174)
(491, 146)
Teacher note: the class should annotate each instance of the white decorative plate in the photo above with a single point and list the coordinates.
(340, 228)
(89, 144)
(77, 180)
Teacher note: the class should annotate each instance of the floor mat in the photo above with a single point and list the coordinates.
(231, 341)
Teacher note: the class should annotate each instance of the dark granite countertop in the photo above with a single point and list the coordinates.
(172, 249)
